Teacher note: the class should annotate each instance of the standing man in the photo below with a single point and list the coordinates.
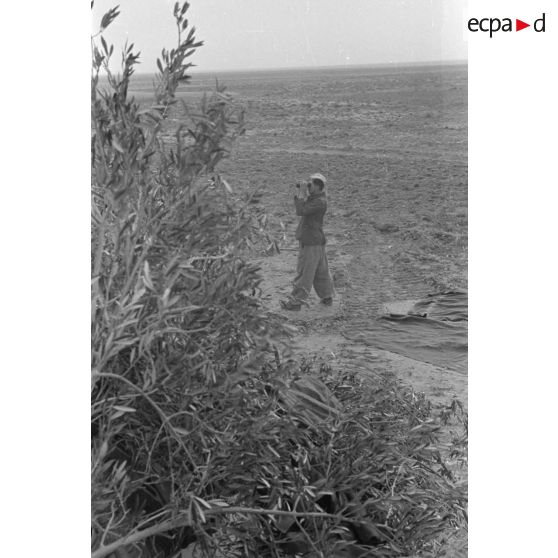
(312, 267)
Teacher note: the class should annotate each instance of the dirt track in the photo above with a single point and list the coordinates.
(341, 334)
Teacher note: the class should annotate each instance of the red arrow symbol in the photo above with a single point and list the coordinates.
(519, 25)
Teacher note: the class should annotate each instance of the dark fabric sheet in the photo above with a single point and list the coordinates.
(433, 329)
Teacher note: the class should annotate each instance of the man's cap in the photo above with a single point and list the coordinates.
(319, 176)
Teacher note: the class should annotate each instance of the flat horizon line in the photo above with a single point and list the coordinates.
(453, 62)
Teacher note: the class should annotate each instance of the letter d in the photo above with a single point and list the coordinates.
(537, 21)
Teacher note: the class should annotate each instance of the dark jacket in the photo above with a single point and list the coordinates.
(312, 210)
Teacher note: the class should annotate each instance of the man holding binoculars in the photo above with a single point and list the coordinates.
(312, 266)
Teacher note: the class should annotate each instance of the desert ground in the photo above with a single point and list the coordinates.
(392, 143)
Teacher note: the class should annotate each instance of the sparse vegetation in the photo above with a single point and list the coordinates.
(206, 439)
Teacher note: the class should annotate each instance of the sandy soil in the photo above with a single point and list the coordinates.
(322, 331)
(393, 145)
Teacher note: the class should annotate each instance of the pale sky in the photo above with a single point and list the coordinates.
(253, 34)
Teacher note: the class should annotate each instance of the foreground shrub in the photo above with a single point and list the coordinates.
(203, 437)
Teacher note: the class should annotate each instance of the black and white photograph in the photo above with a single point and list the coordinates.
(317, 252)
(279, 266)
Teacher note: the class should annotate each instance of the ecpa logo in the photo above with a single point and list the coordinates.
(494, 24)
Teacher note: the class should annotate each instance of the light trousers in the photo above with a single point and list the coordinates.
(312, 270)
